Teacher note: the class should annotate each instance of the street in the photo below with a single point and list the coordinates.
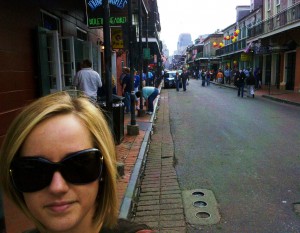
(245, 150)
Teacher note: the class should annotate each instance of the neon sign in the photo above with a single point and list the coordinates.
(95, 12)
(94, 22)
(94, 4)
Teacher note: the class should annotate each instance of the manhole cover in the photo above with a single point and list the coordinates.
(202, 215)
(200, 207)
(198, 194)
(200, 203)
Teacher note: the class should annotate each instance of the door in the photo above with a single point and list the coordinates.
(68, 69)
(290, 69)
(268, 70)
(49, 62)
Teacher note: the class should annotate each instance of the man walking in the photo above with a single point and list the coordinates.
(88, 80)
(184, 78)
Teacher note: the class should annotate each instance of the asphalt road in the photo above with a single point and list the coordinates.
(247, 151)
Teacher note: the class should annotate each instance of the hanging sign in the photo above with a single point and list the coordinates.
(95, 12)
(117, 38)
(146, 52)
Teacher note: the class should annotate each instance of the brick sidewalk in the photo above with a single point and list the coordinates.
(128, 151)
(160, 203)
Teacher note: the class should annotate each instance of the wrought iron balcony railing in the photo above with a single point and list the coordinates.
(232, 48)
(278, 21)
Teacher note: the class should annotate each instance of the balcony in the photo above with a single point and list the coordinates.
(284, 19)
(232, 48)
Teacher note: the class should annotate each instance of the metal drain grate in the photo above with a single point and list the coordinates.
(200, 207)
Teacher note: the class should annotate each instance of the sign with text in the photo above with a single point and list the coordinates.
(117, 38)
(95, 12)
(245, 57)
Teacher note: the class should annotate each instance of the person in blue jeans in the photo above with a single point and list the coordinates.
(126, 90)
(149, 94)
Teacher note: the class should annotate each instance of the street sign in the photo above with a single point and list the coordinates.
(146, 52)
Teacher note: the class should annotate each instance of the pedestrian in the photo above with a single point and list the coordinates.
(149, 79)
(203, 77)
(220, 77)
(123, 74)
(208, 76)
(126, 90)
(257, 76)
(136, 81)
(250, 81)
(60, 170)
(88, 81)
(240, 82)
(177, 80)
(149, 94)
(227, 74)
(184, 79)
(246, 72)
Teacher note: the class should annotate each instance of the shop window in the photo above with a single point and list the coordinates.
(50, 22)
(81, 34)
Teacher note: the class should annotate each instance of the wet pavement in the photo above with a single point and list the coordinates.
(158, 199)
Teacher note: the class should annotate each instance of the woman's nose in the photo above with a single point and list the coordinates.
(58, 183)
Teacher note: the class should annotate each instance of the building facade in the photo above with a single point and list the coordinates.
(42, 45)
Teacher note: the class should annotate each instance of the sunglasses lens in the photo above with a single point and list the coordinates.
(31, 175)
(82, 167)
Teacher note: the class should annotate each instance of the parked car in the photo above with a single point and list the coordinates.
(169, 79)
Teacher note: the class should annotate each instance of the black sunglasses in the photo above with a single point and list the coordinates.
(31, 174)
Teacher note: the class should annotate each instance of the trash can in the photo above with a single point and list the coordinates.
(117, 115)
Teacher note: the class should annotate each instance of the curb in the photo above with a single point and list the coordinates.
(131, 191)
(127, 203)
(281, 100)
(264, 96)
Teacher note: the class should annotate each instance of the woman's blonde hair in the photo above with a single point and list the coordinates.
(106, 210)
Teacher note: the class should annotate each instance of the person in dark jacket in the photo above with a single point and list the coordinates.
(126, 90)
(184, 78)
(177, 80)
(239, 80)
(250, 81)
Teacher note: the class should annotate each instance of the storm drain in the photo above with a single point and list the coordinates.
(297, 208)
(200, 207)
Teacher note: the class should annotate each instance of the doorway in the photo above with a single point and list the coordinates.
(290, 70)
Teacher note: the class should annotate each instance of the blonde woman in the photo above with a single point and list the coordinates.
(58, 165)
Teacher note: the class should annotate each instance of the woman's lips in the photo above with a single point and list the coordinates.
(59, 207)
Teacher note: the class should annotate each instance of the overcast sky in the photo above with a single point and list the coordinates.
(196, 17)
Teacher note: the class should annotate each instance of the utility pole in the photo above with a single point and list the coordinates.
(147, 61)
(133, 128)
(141, 111)
(107, 59)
